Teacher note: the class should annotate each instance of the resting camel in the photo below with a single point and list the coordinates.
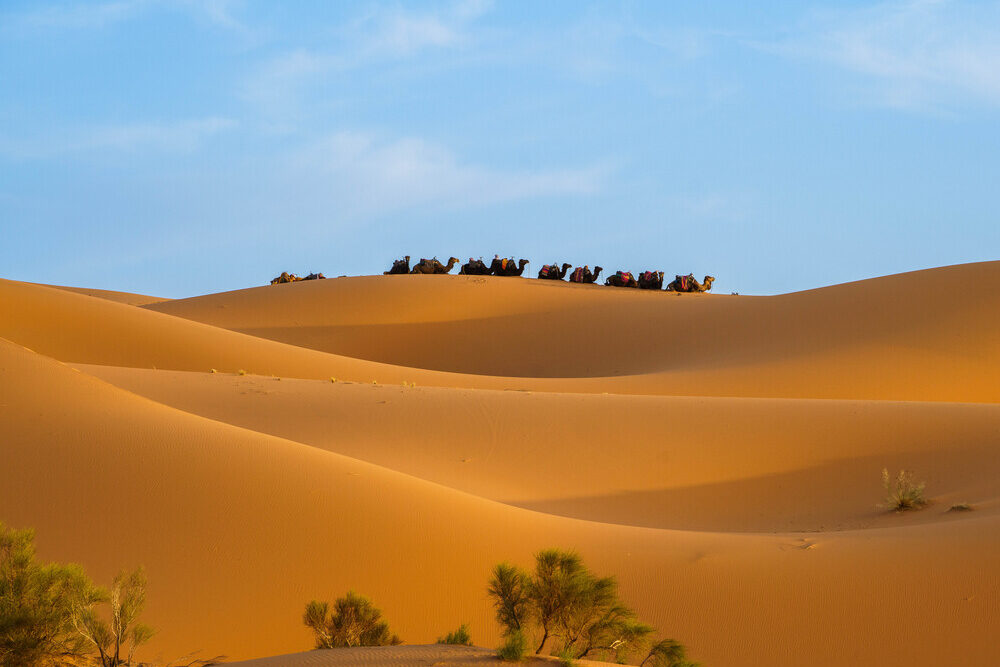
(506, 267)
(621, 279)
(315, 276)
(650, 280)
(689, 284)
(474, 267)
(286, 277)
(553, 272)
(398, 266)
(582, 274)
(433, 266)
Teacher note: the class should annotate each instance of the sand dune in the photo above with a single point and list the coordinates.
(928, 335)
(127, 298)
(741, 522)
(665, 462)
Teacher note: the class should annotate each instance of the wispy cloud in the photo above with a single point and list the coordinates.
(382, 34)
(919, 54)
(366, 175)
(176, 137)
(80, 16)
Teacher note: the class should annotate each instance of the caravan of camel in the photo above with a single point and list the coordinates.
(500, 266)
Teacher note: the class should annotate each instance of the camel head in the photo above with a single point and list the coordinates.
(566, 265)
(453, 260)
(521, 264)
(708, 282)
(407, 258)
(597, 269)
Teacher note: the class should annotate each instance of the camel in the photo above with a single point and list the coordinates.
(689, 284)
(433, 266)
(399, 266)
(474, 267)
(621, 279)
(506, 267)
(315, 276)
(582, 274)
(650, 280)
(553, 272)
(286, 277)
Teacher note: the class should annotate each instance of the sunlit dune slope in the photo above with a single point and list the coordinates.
(238, 529)
(926, 335)
(669, 462)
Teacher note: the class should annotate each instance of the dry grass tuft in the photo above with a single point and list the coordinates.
(902, 493)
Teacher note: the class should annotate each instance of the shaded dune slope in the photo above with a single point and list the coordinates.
(238, 529)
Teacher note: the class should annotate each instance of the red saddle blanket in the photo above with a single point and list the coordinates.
(577, 275)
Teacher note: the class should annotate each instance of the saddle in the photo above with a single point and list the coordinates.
(647, 276)
(576, 276)
(683, 283)
(546, 270)
(625, 276)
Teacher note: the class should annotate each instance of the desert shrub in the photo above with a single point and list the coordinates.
(960, 507)
(565, 655)
(354, 621)
(902, 493)
(37, 604)
(564, 600)
(460, 636)
(514, 647)
(117, 640)
(667, 653)
(509, 591)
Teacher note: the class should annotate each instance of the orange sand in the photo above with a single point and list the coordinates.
(720, 455)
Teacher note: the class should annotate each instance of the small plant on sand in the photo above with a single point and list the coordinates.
(333, 379)
(460, 637)
(562, 599)
(212, 370)
(565, 656)
(901, 492)
(48, 612)
(38, 602)
(667, 653)
(513, 648)
(960, 507)
(116, 641)
(241, 372)
(354, 621)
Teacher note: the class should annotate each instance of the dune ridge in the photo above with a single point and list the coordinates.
(741, 522)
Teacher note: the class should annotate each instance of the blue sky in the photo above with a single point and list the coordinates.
(181, 147)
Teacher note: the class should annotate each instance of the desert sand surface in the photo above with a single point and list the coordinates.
(720, 455)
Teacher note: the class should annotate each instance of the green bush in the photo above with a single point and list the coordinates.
(354, 621)
(509, 591)
(117, 641)
(460, 636)
(902, 493)
(513, 647)
(38, 603)
(667, 653)
(564, 600)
